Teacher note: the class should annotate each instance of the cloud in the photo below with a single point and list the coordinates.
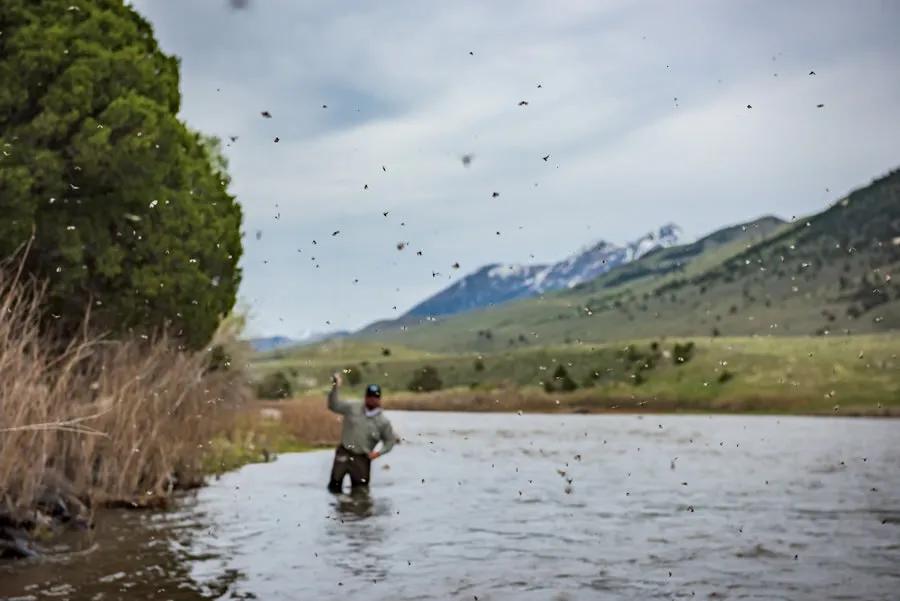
(403, 92)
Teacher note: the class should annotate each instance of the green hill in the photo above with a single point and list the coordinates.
(828, 274)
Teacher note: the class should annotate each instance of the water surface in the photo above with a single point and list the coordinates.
(526, 507)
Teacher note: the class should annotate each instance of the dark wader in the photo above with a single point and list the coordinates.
(355, 464)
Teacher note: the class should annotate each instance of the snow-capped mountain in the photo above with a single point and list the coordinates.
(498, 283)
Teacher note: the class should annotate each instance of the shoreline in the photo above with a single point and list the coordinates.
(254, 434)
(593, 402)
(895, 414)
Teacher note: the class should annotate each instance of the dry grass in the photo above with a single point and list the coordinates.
(309, 420)
(101, 421)
(256, 431)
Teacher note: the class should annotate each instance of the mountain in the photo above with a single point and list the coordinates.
(828, 274)
(497, 283)
(270, 343)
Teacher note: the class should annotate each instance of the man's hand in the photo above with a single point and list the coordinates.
(374, 454)
(336, 378)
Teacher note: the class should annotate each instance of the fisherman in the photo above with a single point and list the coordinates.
(365, 425)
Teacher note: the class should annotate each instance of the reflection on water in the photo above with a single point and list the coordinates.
(526, 507)
(357, 505)
(130, 555)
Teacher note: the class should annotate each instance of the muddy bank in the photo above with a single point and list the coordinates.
(22, 532)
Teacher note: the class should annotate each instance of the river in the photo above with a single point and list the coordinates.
(491, 506)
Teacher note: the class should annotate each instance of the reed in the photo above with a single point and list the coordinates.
(101, 421)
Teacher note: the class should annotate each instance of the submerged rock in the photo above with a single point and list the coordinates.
(14, 544)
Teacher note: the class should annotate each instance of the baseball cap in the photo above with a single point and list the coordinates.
(373, 390)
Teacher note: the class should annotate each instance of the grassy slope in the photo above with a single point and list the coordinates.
(791, 374)
(799, 280)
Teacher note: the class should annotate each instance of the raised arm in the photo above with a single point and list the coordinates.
(334, 402)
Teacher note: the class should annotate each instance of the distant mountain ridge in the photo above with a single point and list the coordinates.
(498, 283)
(265, 344)
(270, 343)
(827, 274)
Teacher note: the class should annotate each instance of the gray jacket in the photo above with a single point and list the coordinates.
(362, 430)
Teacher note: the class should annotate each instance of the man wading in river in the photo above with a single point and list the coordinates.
(364, 426)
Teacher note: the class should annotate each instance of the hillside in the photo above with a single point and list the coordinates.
(846, 374)
(829, 274)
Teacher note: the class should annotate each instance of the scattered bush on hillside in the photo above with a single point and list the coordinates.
(425, 379)
(562, 381)
(725, 376)
(592, 377)
(386, 352)
(640, 362)
(275, 385)
(353, 375)
(479, 364)
(682, 353)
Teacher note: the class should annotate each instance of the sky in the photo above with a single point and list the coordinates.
(642, 108)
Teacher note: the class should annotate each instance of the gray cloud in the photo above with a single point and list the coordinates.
(403, 91)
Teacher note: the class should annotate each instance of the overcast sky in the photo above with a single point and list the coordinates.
(642, 109)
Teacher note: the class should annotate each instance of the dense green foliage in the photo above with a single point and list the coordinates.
(129, 208)
(352, 375)
(425, 379)
(275, 385)
(561, 381)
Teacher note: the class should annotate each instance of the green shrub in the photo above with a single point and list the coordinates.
(219, 358)
(562, 381)
(479, 364)
(275, 385)
(682, 353)
(425, 379)
(353, 375)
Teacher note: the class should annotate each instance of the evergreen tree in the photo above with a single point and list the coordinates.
(129, 208)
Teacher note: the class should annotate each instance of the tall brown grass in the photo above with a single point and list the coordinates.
(99, 420)
(306, 419)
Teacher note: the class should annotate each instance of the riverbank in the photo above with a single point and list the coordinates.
(260, 430)
(588, 401)
(255, 432)
(89, 422)
(534, 400)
